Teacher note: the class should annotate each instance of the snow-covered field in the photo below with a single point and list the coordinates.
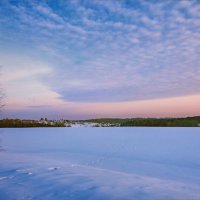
(100, 163)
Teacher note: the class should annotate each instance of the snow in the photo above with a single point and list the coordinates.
(100, 163)
(84, 124)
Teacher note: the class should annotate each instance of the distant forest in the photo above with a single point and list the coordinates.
(105, 122)
(156, 122)
(18, 123)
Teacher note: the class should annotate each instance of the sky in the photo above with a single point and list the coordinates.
(80, 59)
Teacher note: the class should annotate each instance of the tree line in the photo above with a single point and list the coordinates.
(18, 123)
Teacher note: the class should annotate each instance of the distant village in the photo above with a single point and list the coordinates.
(75, 124)
(44, 122)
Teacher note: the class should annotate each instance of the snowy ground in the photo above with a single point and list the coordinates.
(100, 163)
(83, 125)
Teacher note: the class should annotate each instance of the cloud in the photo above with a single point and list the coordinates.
(106, 51)
(22, 82)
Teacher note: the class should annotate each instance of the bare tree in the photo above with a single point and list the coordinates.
(2, 95)
(1, 99)
(1, 106)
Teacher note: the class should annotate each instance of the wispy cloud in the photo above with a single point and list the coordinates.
(22, 81)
